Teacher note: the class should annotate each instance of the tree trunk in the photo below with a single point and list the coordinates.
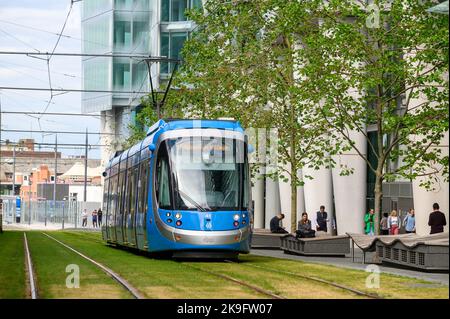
(378, 199)
(293, 207)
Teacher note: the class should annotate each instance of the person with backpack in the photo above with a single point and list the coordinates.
(384, 228)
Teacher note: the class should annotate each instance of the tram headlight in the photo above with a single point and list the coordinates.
(168, 214)
(178, 223)
(236, 224)
(236, 217)
(177, 215)
(243, 215)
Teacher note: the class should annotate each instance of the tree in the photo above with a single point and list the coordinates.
(383, 65)
(242, 62)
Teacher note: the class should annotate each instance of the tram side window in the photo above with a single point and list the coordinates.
(121, 192)
(105, 196)
(113, 200)
(143, 177)
(162, 182)
(133, 191)
(128, 190)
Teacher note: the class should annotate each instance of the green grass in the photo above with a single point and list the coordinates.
(273, 279)
(12, 265)
(155, 278)
(50, 260)
(159, 278)
(391, 286)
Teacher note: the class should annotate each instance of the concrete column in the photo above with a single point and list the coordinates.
(273, 206)
(258, 199)
(107, 125)
(423, 199)
(318, 191)
(350, 191)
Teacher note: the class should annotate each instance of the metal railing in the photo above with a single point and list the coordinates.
(66, 214)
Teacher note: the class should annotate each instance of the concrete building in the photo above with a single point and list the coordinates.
(131, 27)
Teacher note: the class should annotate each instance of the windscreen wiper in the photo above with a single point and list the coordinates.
(193, 202)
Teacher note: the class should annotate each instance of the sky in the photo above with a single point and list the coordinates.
(31, 26)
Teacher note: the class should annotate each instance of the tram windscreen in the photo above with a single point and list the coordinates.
(209, 173)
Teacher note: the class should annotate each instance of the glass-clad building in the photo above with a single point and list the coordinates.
(128, 27)
(119, 27)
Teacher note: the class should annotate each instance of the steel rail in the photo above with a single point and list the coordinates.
(323, 281)
(135, 292)
(31, 277)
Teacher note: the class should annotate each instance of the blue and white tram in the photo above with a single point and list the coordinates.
(184, 189)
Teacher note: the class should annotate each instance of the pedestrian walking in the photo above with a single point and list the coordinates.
(94, 218)
(99, 217)
(393, 223)
(410, 222)
(437, 220)
(369, 221)
(84, 217)
(322, 219)
(384, 227)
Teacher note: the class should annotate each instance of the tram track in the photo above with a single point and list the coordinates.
(30, 271)
(124, 283)
(239, 282)
(323, 281)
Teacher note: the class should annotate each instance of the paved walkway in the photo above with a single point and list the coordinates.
(346, 262)
(42, 226)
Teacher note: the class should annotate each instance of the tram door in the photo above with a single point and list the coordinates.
(142, 205)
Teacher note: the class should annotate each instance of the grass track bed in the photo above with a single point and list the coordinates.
(12, 265)
(160, 278)
(50, 260)
(155, 278)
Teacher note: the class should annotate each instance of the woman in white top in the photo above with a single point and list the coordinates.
(393, 223)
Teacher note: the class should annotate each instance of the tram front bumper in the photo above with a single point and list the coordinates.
(205, 238)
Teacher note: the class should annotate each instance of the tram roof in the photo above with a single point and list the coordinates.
(177, 124)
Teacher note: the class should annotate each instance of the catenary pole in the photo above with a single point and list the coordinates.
(85, 167)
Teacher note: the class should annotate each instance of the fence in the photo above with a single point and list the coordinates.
(66, 214)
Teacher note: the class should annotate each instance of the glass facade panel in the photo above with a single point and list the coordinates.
(171, 45)
(175, 10)
(122, 31)
(121, 75)
(139, 74)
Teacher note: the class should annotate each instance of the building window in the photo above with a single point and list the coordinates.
(171, 45)
(121, 72)
(175, 10)
(122, 32)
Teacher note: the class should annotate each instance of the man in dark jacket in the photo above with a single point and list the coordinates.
(275, 225)
(437, 220)
(322, 219)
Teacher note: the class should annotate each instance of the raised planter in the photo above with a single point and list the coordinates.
(320, 246)
(422, 256)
